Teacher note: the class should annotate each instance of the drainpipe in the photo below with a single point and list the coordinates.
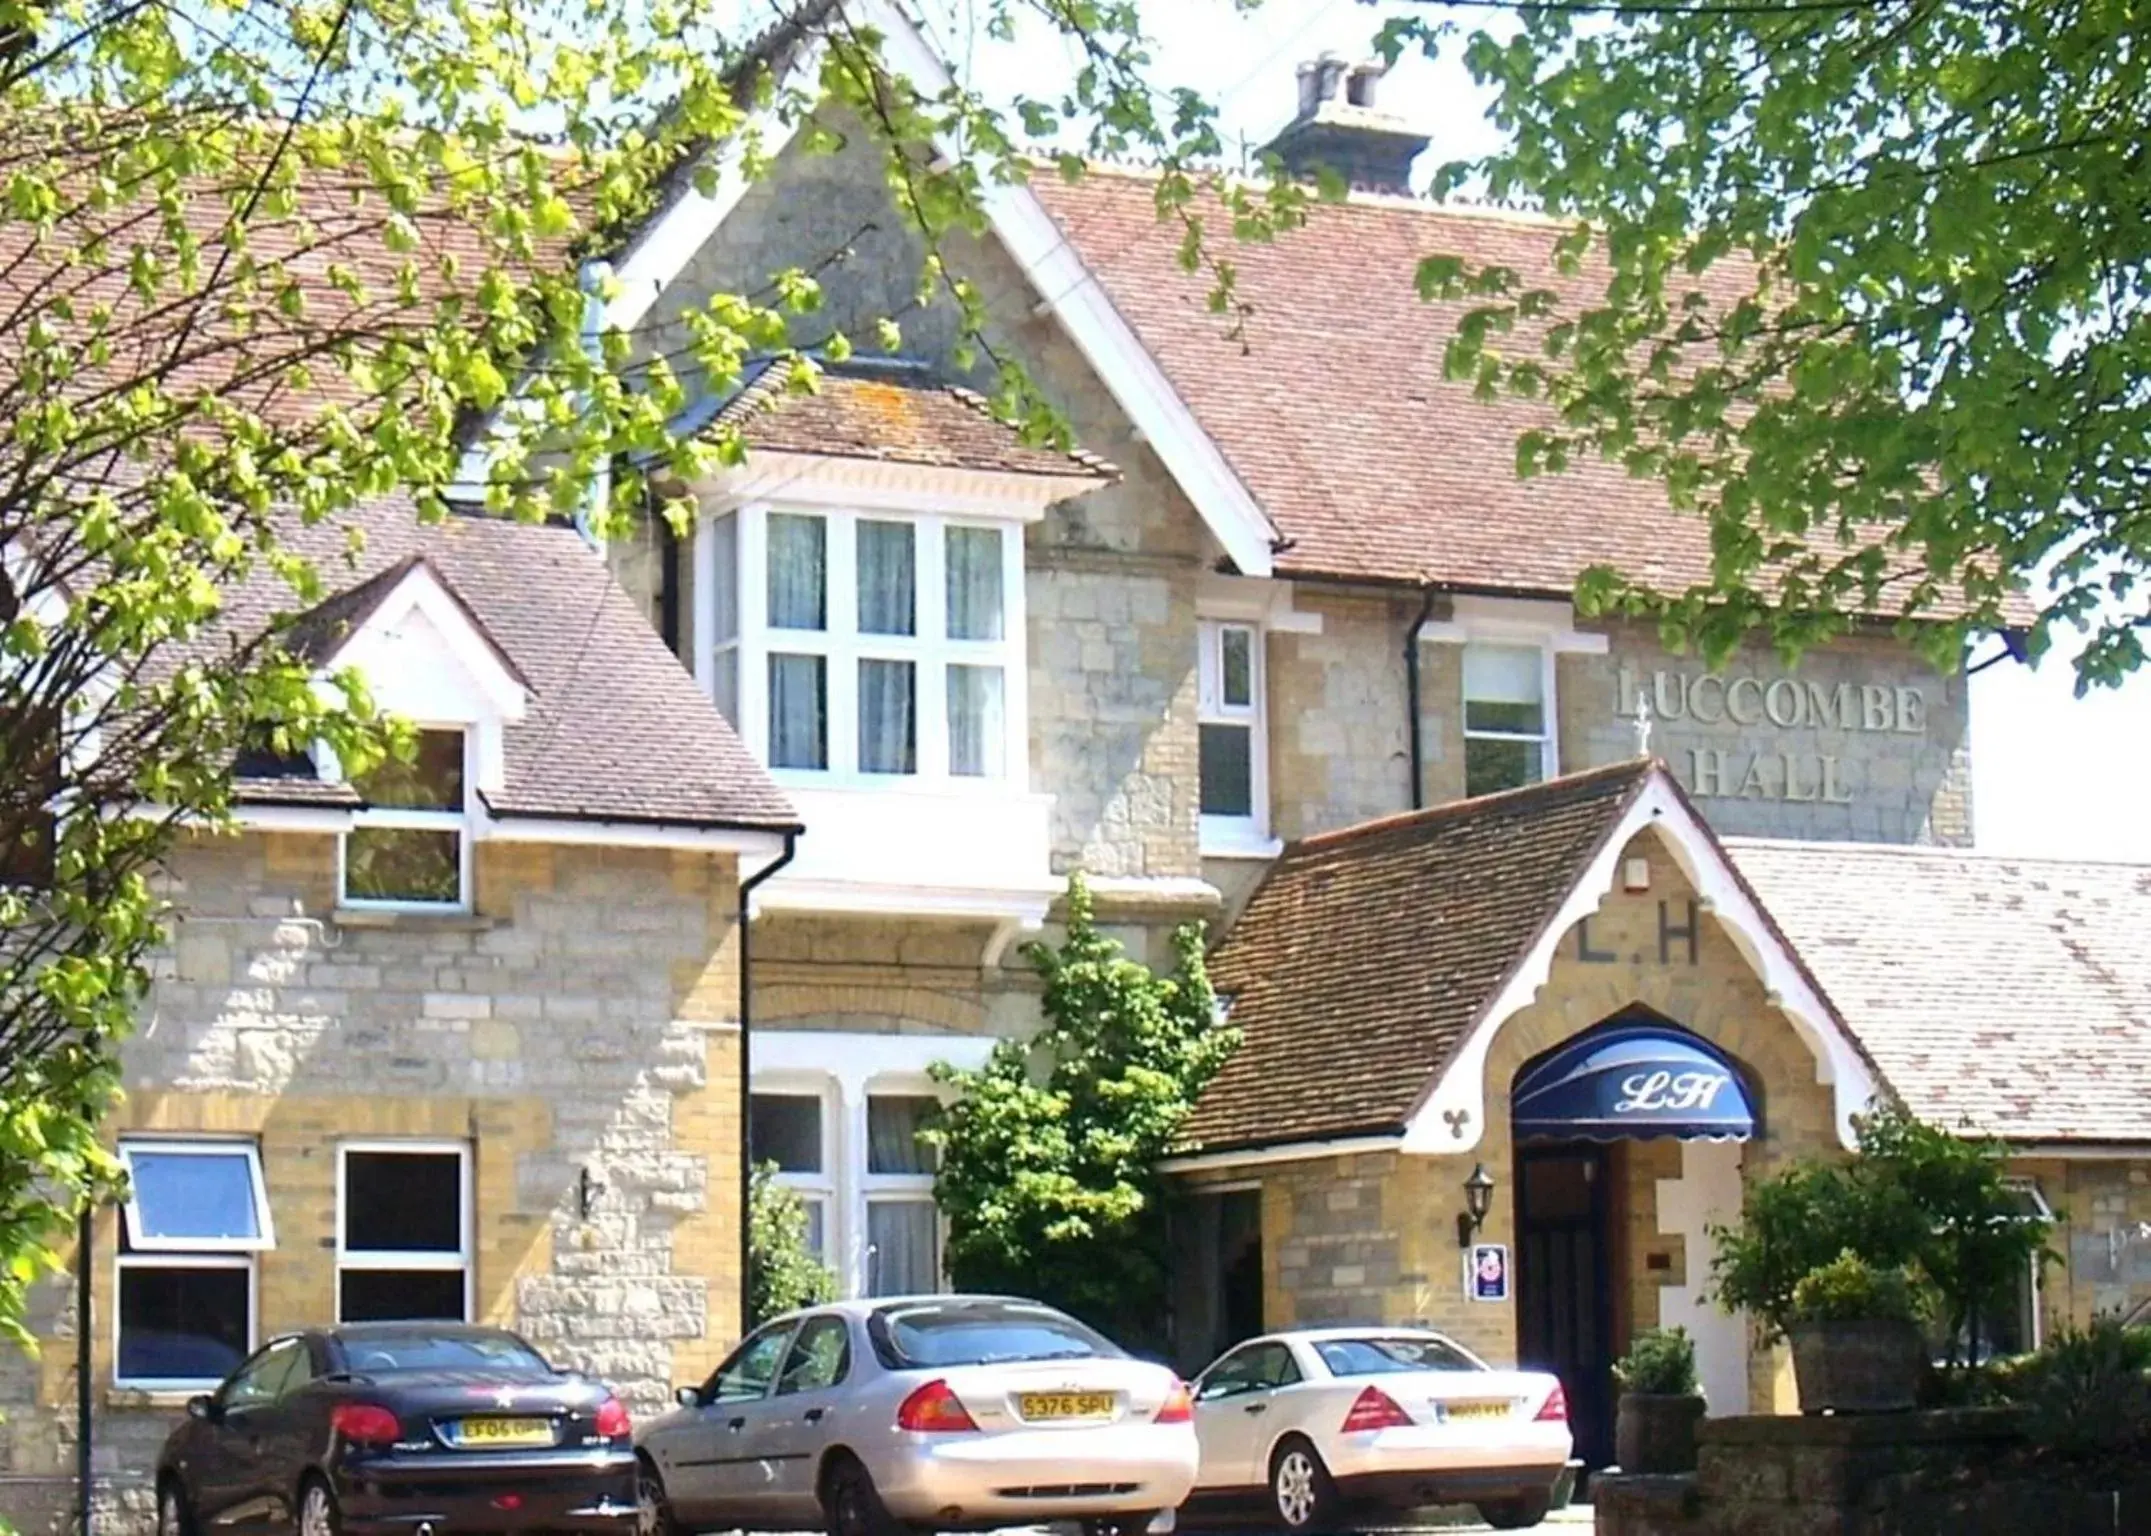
(1411, 696)
(592, 278)
(84, 1259)
(746, 1066)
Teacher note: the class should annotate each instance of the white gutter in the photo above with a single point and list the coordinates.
(1290, 1152)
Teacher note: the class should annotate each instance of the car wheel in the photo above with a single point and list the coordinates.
(653, 1506)
(1302, 1495)
(318, 1514)
(1517, 1514)
(850, 1504)
(173, 1516)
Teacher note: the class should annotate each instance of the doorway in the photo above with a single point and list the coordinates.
(1564, 1283)
(1217, 1293)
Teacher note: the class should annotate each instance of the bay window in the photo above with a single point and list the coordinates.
(1232, 744)
(863, 649)
(1507, 729)
(790, 1131)
(409, 844)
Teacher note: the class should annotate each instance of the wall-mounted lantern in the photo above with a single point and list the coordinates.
(1478, 1200)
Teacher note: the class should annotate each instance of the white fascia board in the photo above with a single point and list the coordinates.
(1290, 1152)
(806, 1058)
(1027, 907)
(746, 842)
(814, 480)
(329, 820)
(1451, 1116)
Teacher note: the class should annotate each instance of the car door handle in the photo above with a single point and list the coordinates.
(1256, 1408)
(814, 1415)
(739, 1423)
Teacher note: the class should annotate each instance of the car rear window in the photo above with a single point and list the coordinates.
(1377, 1356)
(921, 1335)
(387, 1351)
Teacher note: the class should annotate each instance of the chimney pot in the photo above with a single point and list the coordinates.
(1360, 84)
(1340, 129)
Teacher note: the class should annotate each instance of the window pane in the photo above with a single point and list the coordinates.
(886, 583)
(978, 729)
(724, 577)
(403, 1202)
(974, 582)
(397, 1295)
(1228, 773)
(1236, 665)
(798, 572)
(1504, 674)
(817, 1228)
(1491, 764)
(786, 1129)
(902, 1237)
(1509, 719)
(192, 1195)
(893, 1123)
(403, 864)
(181, 1324)
(431, 781)
(724, 684)
(888, 724)
(798, 712)
(820, 1357)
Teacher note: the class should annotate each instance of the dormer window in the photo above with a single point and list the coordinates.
(409, 844)
(866, 649)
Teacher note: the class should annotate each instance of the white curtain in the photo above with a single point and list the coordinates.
(901, 1236)
(798, 572)
(888, 727)
(974, 571)
(893, 1123)
(978, 730)
(885, 579)
(798, 721)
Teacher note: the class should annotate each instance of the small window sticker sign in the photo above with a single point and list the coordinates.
(1488, 1279)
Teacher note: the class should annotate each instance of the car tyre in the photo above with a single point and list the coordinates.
(319, 1514)
(1517, 1514)
(1303, 1496)
(851, 1506)
(174, 1518)
(653, 1506)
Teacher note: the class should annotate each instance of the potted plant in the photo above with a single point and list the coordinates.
(1654, 1422)
(1857, 1345)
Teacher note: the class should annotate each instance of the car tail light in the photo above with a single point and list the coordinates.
(1179, 1406)
(1375, 1409)
(1555, 1408)
(612, 1420)
(934, 1409)
(364, 1423)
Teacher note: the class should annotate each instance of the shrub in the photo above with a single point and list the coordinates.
(1849, 1289)
(1660, 1361)
(782, 1271)
(2087, 1394)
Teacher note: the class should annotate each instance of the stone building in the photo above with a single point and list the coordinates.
(457, 1039)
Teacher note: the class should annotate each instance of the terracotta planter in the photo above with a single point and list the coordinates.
(1869, 1366)
(1654, 1432)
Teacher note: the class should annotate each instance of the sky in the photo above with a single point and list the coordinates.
(2053, 775)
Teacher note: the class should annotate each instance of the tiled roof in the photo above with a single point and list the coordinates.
(1366, 955)
(1330, 401)
(895, 413)
(615, 729)
(2007, 996)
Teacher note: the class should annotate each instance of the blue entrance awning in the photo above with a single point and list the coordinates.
(1634, 1080)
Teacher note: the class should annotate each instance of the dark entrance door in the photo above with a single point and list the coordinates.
(1564, 1292)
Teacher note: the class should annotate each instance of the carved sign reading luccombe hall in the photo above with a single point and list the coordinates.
(1744, 704)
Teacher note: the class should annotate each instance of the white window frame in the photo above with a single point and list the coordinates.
(1528, 623)
(459, 822)
(463, 1259)
(814, 1189)
(1548, 737)
(895, 1188)
(2036, 1334)
(190, 1253)
(1236, 836)
(842, 646)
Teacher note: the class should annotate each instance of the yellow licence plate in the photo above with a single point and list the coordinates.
(504, 1432)
(1065, 1405)
(1477, 1410)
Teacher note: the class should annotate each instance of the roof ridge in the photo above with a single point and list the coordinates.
(1449, 809)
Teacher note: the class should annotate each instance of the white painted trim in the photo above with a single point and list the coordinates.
(188, 1385)
(421, 591)
(1027, 907)
(1250, 600)
(746, 842)
(464, 1259)
(1514, 621)
(1232, 833)
(1461, 1089)
(2075, 1151)
(198, 1146)
(818, 482)
(1288, 1152)
(290, 818)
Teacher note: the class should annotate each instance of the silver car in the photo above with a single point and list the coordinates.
(866, 1418)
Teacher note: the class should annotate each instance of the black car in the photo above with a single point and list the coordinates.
(399, 1429)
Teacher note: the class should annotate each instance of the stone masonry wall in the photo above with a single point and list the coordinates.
(2102, 1237)
(586, 1017)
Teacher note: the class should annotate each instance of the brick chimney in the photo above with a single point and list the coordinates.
(1339, 128)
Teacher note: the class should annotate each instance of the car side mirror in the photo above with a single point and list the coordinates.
(688, 1397)
(203, 1407)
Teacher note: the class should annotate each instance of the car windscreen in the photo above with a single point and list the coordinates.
(927, 1334)
(1378, 1355)
(380, 1351)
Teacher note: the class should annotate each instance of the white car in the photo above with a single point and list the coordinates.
(1301, 1429)
(944, 1413)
